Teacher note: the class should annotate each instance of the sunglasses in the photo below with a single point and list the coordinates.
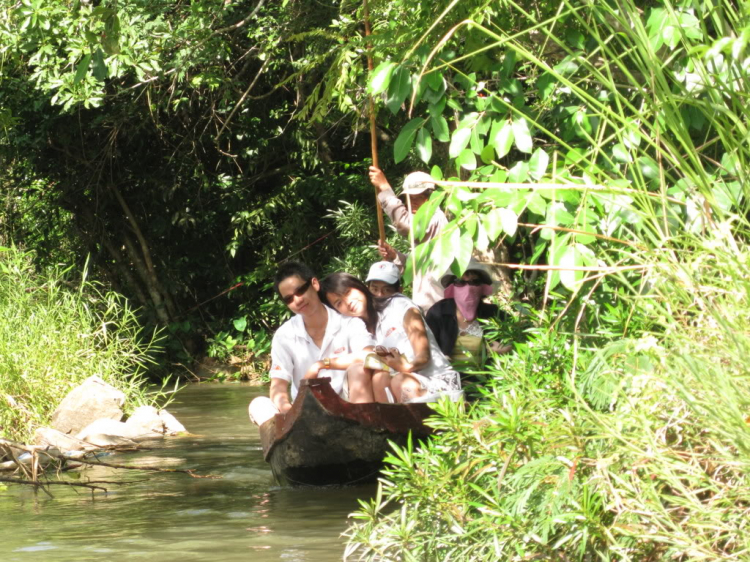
(298, 292)
(472, 282)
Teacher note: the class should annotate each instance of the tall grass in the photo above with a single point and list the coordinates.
(636, 448)
(54, 333)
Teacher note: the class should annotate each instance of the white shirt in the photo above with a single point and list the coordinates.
(390, 333)
(293, 351)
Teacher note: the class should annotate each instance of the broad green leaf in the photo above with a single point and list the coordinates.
(440, 128)
(99, 68)
(82, 68)
(493, 224)
(537, 204)
(425, 213)
(509, 221)
(470, 223)
(459, 141)
(488, 154)
(240, 324)
(583, 238)
(398, 89)
(466, 160)
(405, 139)
(435, 80)
(546, 85)
(464, 249)
(381, 77)
(522, 134)
(621, 154)
(518, 173)
(424, 145)
(436, 172)
(475, 142)
(499, 176)
(538, 164)
(571, 279)
(468, 121)
(648, 167)
(503, 140)
(481, 241)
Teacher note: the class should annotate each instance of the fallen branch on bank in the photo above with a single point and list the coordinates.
(42, 484)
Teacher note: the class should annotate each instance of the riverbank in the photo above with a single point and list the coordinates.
(56, 330)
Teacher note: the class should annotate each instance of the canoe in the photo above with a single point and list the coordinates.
(324, 440)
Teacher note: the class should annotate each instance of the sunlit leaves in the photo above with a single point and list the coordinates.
(459, 141)
(405, 139)
(466, 159)
(503, 139)
(440, 128)
(424, 145)
(381, 77)
(398, 89)
(538, 164)
(522, 134)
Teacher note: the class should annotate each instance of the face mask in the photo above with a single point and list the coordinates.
(468, 298)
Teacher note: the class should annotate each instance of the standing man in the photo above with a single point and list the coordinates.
(316, 341)
(418, 186)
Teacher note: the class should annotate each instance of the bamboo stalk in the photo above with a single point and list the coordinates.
(373, 132)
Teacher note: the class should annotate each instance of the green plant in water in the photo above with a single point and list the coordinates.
(54, 333)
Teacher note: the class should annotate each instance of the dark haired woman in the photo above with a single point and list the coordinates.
(406, 345)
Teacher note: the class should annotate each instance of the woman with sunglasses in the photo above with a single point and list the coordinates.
(453, 320)
(420, 370)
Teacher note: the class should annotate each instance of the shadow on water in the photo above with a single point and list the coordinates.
(172, 517)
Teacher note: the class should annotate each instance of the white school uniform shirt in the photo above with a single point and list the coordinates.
(390, 332)
(293, 351)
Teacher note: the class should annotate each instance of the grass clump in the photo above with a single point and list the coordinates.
(55, 333)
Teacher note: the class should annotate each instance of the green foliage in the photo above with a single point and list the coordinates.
(54, 333)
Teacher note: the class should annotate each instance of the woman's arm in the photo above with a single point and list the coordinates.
(280, 395)
(339, 363)
(417, 334)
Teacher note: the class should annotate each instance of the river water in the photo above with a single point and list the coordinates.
(243, 515)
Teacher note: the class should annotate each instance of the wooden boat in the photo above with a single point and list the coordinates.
(324, 440)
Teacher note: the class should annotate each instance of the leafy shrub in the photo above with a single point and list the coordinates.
(54, 333)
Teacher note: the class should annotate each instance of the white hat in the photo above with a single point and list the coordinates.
(416, 183)
(474, 266)
(384, 271)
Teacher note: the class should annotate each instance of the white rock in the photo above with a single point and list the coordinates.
(145, 419)
(171, 425)
(93, 399)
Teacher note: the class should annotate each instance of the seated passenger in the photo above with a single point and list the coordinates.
(406, 345)
(317, 341)
(453, 320)
(384, 279)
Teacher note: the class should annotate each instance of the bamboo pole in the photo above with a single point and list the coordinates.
(373, 132)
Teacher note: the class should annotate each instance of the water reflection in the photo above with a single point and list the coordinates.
(151, 516)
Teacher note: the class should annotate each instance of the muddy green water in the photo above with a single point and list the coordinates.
(172, 517)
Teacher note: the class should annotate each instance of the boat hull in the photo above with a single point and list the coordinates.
(324, 440)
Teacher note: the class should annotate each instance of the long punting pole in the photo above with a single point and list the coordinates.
(373, 133)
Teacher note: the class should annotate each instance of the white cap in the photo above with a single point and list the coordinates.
(384, 271)
(416, 183)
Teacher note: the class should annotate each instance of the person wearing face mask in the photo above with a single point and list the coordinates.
(453, 320)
